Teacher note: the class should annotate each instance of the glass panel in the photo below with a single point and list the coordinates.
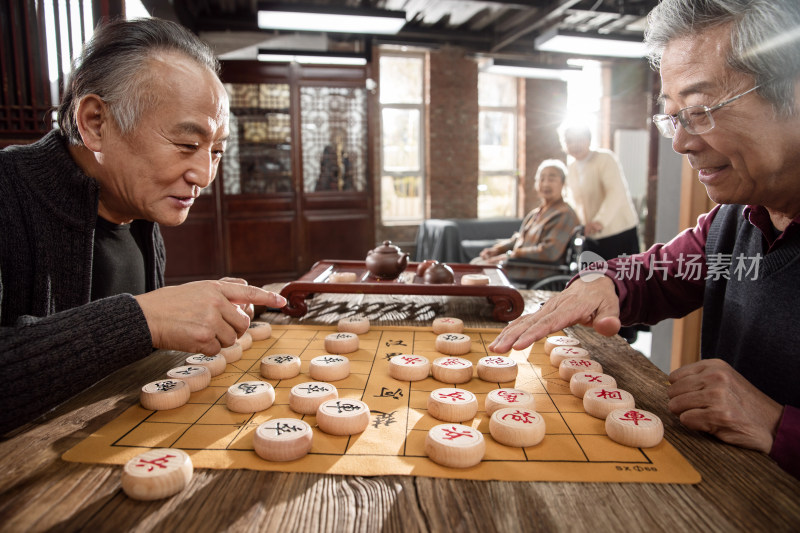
(334, 136)
(401, 140)
(401, 198)
(258, 156)
(497, 196)
(495, 90)
(496, 133)
(585, 96)
(401, 80)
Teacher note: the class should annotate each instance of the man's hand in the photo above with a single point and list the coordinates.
(202, 316)
(711, 396)
(594, 303)
(592, 228)
(492, 251)
(247, 308)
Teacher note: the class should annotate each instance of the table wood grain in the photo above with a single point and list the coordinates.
(741, 490)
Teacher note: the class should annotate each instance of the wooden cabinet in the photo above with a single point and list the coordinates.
(294, 185)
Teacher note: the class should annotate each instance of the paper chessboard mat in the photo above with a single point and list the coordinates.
(575, 446)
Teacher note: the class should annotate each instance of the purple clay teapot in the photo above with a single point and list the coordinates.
(439, 273)
(425, 265)
(386, 261)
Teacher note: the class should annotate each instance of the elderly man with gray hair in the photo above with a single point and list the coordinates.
(143, 125)
(730, 72)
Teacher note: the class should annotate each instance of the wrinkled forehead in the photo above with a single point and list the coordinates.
(550, 170)
(550, 173)
(696, 64)
(577, 136)
(195, 93)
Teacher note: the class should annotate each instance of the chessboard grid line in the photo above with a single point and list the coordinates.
(408, 396)
(415, 456)
(558, 410)
(249, 420)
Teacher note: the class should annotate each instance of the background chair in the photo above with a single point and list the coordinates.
(529, 274)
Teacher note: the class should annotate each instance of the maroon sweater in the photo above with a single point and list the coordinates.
(747, 279)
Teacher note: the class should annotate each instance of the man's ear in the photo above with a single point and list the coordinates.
(92, 119)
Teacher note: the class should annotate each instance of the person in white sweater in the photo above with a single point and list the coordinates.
(599, 192)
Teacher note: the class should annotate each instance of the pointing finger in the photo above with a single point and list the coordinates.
(250, 294)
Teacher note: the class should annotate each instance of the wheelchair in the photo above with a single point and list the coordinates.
(537, 275)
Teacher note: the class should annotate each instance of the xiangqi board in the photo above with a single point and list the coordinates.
(575, 446)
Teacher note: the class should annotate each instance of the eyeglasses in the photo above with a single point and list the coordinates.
(695, 119)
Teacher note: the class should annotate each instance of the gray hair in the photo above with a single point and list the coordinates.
(575, 130)
(765, 39)
(556, 164)
(114, 65)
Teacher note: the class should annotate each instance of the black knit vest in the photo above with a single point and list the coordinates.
(751, 323)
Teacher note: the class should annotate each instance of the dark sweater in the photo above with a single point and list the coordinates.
(54, 341)
(751, 323)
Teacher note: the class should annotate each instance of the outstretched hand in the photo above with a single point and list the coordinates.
(202, 316)
(247, 308)
(590, 303)
(711, 396)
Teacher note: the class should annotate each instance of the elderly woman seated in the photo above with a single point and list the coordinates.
(545, 231)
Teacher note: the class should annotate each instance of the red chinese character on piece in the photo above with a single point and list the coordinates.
(580, 362)
(510, 397)
(609, 395)
(634, 416)
(521, 416)
(496, 361)
(452, 433)
(159, 462)
(447, 320)
(455, 396)
(452, 362)
(570, 350)
(411, 360)
(598, 379)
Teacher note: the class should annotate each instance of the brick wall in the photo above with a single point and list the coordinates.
(453, 135)
(545, 108)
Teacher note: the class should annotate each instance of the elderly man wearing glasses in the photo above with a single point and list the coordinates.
(730, 72)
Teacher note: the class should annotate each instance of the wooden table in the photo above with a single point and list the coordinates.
(741, 490)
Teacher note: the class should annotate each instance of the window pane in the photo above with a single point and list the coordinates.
(401, 198)
(497, 196)
(400, 135)
(496, 90)
(401, 80)
(585, 95)
(334, 138)
(496, 133)
(258, 155)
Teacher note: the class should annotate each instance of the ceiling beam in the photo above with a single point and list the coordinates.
(548, 17)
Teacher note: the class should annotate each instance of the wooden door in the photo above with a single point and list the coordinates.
(337, 217)
(259, 200)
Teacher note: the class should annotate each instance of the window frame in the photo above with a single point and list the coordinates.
(514, 111)
(421, 107)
